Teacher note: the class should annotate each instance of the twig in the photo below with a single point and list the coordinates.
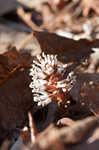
(33, 131)
(26, 17)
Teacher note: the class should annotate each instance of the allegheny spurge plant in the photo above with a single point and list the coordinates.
(48, 82)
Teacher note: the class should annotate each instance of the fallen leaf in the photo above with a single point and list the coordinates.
(67, 137)
(86, 91)
(15, 95)
(67, 49)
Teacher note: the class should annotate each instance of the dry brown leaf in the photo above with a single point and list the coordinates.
(12, 61)
(15, 95)
(90, 95)
(68, 49)
(90, 5)
(86, 90)
(52, 137)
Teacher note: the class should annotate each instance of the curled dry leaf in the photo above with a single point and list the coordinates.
(78, 132)
(88, 6)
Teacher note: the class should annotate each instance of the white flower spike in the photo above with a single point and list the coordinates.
(47, 80)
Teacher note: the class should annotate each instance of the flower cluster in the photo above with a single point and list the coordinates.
(47, 80)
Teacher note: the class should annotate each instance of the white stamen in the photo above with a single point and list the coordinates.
(64, 89)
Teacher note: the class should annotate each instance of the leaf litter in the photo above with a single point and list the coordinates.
(71, 33)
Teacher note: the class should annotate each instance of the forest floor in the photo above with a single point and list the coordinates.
(70, 30)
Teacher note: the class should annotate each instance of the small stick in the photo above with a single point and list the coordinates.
(33, 131)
